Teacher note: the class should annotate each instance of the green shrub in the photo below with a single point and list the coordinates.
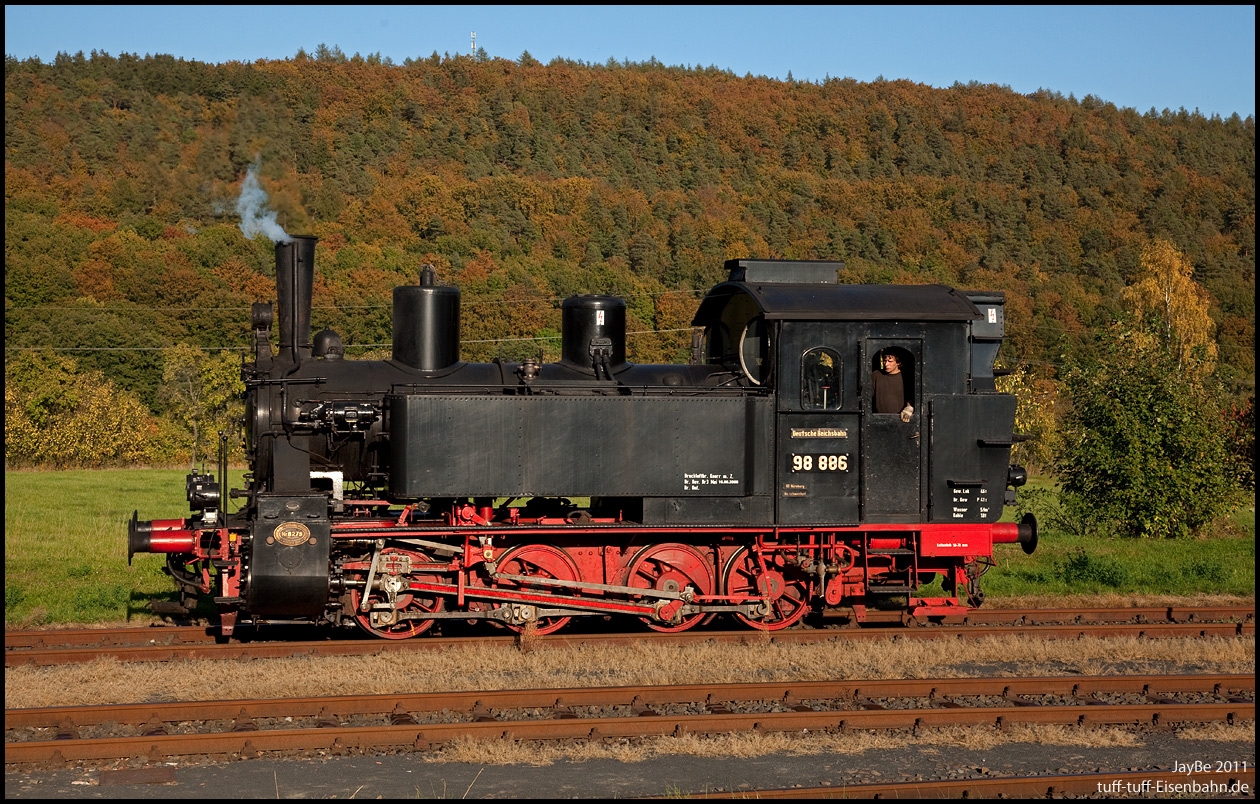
(1080, 568)
(1143, 452)
(1207, 569)
(13, 596)
(58, 416)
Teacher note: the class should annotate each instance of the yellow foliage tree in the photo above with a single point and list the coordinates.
(56, 417)
(202, 394)
(1036, 415)
(1166, 296)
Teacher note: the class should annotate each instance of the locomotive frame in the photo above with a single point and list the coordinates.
(755, 481)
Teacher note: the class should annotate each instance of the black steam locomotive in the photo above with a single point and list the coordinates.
(758, 481)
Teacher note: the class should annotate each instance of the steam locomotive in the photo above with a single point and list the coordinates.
(757, 481)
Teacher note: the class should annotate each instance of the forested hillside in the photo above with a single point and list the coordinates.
(524, 183)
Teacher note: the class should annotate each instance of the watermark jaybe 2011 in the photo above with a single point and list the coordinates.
(1210, 766)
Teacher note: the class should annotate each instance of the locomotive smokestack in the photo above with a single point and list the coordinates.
(295, 278)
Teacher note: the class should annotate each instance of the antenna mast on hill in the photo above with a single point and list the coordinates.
(474, 43)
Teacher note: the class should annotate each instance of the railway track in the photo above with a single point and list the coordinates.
(165, 643)
(250, 728)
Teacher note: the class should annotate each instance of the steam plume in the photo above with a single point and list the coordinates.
(255, 217)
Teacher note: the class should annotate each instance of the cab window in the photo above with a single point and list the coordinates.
(820, 379)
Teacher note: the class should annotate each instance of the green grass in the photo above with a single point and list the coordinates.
(66, 552)
(65, 536)
(1222, 561)
(1076, 565)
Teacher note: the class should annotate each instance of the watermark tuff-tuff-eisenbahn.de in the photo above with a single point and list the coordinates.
(1199, 787)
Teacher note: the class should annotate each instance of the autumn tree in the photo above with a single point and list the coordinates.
(1035, 416)
(1240, 434)
(202, 394)
(1143, 450)
(57, 416)
(1174, 308)
(572, 177)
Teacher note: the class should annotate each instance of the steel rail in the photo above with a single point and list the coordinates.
(239, 733)
(256, 650)
(1175, 614)
(173, 634)
(86, 637)
(421, 736)
(779, 691)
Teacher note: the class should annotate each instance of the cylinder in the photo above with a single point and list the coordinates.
(295, 278)
(426, 326)
(593, 326)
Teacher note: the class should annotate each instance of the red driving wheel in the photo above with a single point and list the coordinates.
(541, 561)
(785, 586)
(394, 574)
(671, 567)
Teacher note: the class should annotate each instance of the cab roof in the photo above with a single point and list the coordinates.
(811, 293)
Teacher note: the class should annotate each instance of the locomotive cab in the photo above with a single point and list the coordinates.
(818, 345)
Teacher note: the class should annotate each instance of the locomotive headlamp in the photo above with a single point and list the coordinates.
(203, 492)
(1016, 476)
(328, 345)
(261, 316)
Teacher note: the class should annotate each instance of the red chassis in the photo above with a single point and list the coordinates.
(396, 576)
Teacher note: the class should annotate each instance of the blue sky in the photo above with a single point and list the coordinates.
(1196, 57)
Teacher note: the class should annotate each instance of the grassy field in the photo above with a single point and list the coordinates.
(66, 552)
(65, 538)
(1219, 562)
